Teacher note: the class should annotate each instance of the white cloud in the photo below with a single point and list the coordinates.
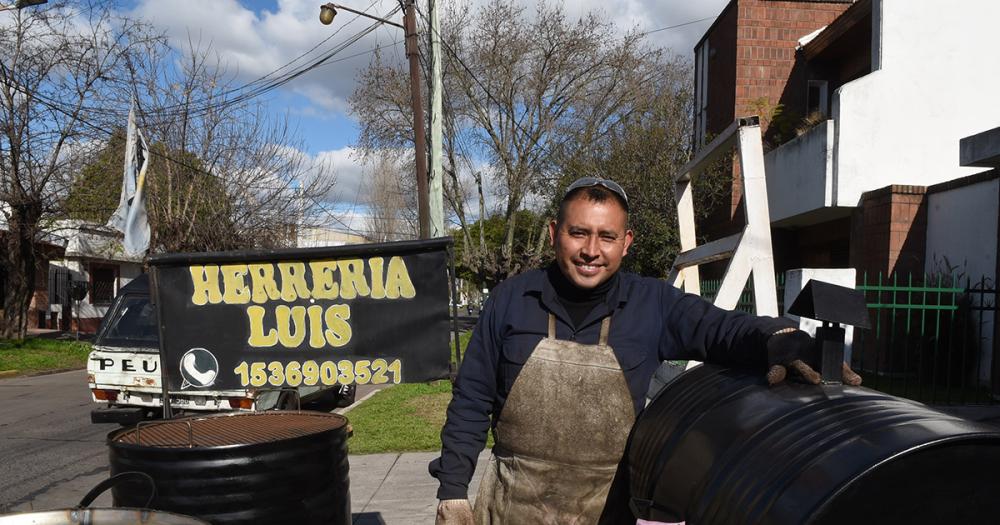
(348, 169)
(252, 45)
(255, 44)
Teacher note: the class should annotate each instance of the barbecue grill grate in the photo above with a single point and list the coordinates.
(230, 429)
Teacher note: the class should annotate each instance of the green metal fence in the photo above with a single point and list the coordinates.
(710, 288)
(931, 337)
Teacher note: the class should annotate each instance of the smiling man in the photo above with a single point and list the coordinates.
(559, 364)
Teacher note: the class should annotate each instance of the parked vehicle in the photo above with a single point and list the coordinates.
(123, 370)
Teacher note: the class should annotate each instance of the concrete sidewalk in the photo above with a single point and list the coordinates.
(389, 489)
(396, 488)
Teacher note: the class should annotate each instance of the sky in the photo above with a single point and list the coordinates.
(255, 37)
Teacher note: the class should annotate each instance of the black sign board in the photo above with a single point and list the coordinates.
(375, 313)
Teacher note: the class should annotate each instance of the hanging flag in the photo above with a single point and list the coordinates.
(130, 217)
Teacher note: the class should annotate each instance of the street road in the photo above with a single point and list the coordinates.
(47, 441)
(51, 453)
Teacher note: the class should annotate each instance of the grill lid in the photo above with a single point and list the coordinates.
(229, 429)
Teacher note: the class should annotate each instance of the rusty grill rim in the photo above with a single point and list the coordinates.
(115, 437)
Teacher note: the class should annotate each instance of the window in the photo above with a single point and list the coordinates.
(701, 94)
(816, 98)
(133, 324)
(59, 279)
(103, 283)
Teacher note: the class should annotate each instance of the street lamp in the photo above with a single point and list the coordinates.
(329, 10)
(326, 14)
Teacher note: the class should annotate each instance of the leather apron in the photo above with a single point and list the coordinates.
(559, 437)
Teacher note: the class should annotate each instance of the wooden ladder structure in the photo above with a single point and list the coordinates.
(749, 252)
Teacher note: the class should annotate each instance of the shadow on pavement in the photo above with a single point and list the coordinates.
(367, 518)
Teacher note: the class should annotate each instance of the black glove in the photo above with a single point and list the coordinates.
(796, 351)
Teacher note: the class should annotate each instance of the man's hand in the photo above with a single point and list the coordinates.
(794, 351)
(454, 512)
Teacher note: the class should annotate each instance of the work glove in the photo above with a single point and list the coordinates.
(454, 512)
(794, 351)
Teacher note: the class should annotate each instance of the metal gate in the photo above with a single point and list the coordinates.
(933, 338)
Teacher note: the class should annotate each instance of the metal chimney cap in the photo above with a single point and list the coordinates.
(831, 303)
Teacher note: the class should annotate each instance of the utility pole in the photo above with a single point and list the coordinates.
(420, 140)
(326, 14)
(437, 175)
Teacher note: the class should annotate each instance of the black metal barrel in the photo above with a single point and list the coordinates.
(718, 446)
(244, 468)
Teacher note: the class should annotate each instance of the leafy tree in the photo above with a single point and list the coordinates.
(93, 196)
(222, 174)
(644, 155)
(529, 247)
(188, 207)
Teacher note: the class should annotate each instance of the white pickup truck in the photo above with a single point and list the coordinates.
(123, 370)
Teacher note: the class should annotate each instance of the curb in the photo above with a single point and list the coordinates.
(9, 373)
(357, 402)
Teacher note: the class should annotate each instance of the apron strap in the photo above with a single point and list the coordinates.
(552, 326)
(605, 328)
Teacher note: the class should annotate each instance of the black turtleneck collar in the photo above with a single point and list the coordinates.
(577, 301)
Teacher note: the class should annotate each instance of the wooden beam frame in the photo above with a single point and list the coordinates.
(749, 252)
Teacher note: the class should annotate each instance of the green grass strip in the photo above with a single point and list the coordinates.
(403, 418)
(34, 355)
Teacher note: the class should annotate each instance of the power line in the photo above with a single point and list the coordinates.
(368, 52)
(247, 91)
(54, 105)
(321, 42)
(644, 33)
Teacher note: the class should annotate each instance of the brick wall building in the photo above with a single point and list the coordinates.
(743, 66)
(855, 155)
(889, 231)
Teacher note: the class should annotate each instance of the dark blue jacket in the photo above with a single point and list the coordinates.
(651, 321)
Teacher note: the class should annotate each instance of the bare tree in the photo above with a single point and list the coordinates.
(61, 68)
(523, 93)
(230, 175)
(391, 209)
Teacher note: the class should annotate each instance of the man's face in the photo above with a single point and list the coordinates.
(591, 240)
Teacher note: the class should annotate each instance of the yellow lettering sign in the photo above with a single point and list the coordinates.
(352, 278)
(258, 338)
(293, 281)
(397, 280)
(206, 285)
(236, 289)
(264, 286)
(338, 331)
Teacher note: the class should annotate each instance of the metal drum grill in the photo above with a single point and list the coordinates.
(264, 467)
(719, 446)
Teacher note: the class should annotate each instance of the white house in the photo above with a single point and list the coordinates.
(930, 84)
(94, 256)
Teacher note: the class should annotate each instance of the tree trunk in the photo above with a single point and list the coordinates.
(21, 264)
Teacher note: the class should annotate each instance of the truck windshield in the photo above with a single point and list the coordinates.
(132, 324)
